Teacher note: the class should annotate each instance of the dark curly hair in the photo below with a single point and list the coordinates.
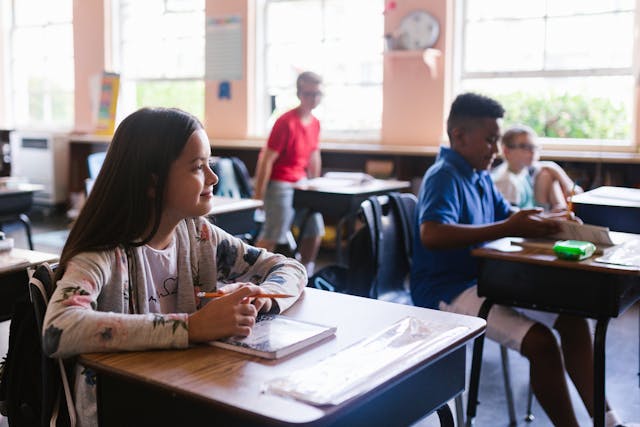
(469, 107)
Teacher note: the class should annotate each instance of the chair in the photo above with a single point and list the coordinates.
(228, 184)
(392, 250)
(14, 208)
(377, 252)
(234, 181)
(94, 164)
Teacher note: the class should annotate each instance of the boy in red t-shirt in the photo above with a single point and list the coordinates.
(292, 154)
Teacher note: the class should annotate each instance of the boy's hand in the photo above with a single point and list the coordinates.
(531, 223)
(563, 215)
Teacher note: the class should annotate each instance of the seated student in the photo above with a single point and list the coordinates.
(526, 182)
(459, 208)
(141, 249)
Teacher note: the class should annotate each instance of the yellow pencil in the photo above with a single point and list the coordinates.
(570, 198)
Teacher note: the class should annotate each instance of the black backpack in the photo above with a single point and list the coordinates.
(369, 257)
(30, 382)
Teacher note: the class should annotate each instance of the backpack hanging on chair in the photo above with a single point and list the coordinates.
(32, 384)
(368, 254)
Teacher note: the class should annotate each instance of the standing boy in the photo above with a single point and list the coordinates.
(292, 154)
(458, 209)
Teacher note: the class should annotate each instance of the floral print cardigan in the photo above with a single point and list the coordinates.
(100, 304)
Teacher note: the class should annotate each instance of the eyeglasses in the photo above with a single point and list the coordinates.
(528, 147)
(317, 94)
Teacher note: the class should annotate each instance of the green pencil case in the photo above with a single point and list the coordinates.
(573, 249)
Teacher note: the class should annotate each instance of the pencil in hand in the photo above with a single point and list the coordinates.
(570, 198)
(221, 294)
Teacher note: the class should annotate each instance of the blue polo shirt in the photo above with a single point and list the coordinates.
(452, 192)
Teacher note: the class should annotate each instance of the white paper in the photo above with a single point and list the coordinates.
(223, 54)
(366, 364)
(570, 230)
(627, 253)
(620, 193)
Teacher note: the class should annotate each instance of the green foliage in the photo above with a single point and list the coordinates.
(187, 95)
(566, 115)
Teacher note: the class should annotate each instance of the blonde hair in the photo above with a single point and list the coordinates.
(308, 77)
(509, 137)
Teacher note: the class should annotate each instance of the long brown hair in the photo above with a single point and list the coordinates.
(119, 208)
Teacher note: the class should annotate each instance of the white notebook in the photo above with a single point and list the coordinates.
(275, 336)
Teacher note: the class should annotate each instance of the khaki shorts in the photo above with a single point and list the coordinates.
(505, 325)
(280, 215)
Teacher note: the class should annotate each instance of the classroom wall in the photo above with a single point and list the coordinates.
(415, 105)
(414, 100)
(230, 118)
(414, 95)
(89, 51)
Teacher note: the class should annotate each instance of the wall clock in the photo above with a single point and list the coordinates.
(417, 30)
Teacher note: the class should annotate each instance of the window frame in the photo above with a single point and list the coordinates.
(45, 95)
(574, 144)
(259, 126)
(127, 98)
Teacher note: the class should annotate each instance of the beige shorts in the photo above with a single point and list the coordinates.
(505, 325)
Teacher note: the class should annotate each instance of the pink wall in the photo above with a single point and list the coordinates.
(415, 102)
(230, 118)
(414, 97)
(413, 110)
(89, 51)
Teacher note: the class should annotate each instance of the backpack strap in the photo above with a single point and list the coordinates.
(45, 291)
(401, 211)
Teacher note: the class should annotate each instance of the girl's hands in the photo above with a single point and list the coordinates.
(232, 314)
(263, 305)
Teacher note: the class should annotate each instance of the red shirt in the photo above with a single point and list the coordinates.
(294, 142)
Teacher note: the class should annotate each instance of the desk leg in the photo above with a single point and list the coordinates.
(445, 416)
(476, 362)
(599, 372)
(339, 254)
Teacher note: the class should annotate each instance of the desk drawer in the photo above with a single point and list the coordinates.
(15, 204)
(580, 292)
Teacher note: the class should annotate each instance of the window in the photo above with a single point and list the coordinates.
(41, 64)
(159, 53)
(563, 67)
(340, 40)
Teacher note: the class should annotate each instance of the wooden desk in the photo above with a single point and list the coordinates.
(340, 202)
(536, 278)
(615, 207)
(224, 387)
(14, 276)
(16, 199)
(235, 216)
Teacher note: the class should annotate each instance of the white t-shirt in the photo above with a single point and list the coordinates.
(161, 268)
(517, 188)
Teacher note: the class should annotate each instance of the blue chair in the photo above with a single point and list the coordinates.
(94, 164)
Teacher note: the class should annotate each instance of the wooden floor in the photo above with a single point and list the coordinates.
(622, 354)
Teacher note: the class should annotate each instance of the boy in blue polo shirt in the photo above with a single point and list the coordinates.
(459, 209)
